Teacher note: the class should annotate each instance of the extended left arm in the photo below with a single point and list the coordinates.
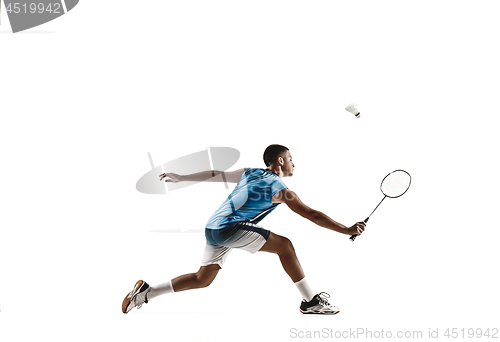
(204, 176)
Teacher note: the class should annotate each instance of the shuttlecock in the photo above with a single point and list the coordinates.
(353, 109)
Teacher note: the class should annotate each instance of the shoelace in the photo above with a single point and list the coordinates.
(145, 301)
(136, 297)
(323, 298)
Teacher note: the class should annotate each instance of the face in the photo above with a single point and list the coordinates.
(288, 165)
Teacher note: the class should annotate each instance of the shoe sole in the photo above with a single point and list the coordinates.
(319, 313)
(128, 298)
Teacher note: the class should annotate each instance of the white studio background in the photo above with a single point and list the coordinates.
(85, 97)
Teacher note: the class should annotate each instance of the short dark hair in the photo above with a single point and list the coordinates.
(272, 153)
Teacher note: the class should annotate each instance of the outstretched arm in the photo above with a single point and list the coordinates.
(293, 201)
(205, 176)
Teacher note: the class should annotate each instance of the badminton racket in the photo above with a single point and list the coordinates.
(394, 185)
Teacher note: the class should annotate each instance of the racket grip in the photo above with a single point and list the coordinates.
(353, 237)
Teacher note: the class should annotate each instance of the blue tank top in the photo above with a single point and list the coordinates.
(250, 201)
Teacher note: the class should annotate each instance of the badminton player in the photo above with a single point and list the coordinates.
(235, 225)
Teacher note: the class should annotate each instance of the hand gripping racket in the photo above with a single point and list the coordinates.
(394, 185)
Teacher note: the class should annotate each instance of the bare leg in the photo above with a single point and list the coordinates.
(202, 278)
(283, 247)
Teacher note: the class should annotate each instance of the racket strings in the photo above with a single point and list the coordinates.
(396, 184)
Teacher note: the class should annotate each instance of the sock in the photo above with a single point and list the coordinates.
(161, 289)
(304, 289)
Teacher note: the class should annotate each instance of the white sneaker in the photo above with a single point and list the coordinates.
(319, 305)
(136, 297)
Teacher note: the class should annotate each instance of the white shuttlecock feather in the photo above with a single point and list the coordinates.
(353, 109)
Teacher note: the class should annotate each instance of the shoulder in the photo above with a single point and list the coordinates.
(235, 176)
(257, 172)
(249, 170)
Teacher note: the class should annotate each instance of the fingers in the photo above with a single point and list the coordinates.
(360, 227)
(165, 175)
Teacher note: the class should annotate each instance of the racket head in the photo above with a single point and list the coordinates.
(395, 184)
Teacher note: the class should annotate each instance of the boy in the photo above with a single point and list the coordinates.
(234, 225)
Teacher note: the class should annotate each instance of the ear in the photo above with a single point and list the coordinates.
(281, 161)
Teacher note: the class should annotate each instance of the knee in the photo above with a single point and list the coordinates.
(203, 282)
(204, 279)
(286, 246)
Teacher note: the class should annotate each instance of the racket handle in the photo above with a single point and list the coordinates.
(353, 237)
